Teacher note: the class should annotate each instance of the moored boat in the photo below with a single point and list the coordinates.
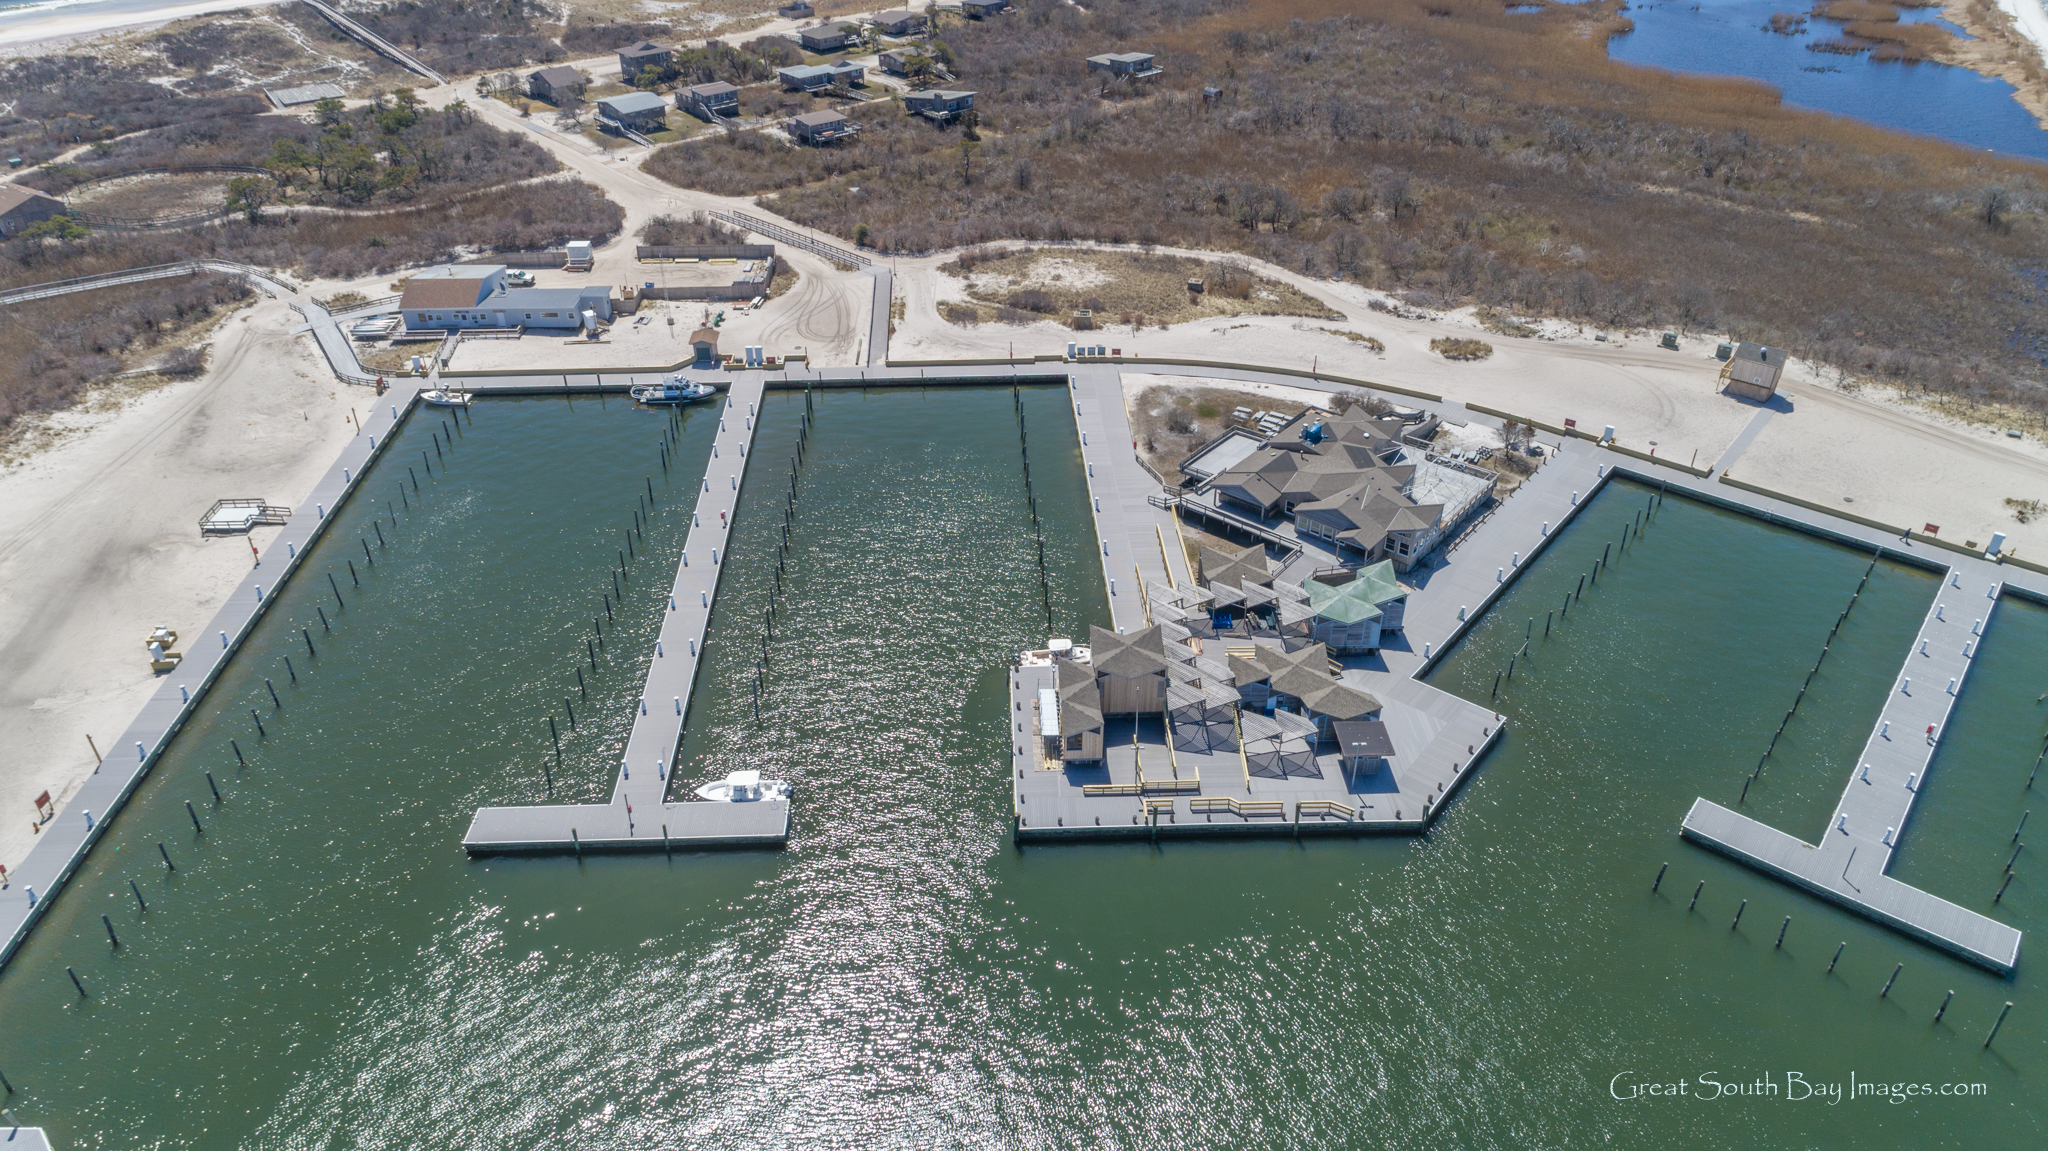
(744, 787)
(672, 390)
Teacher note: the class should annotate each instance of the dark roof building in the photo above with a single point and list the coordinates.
(22, 206)
(899, 21)
(553, 83)
(1345, 479)
(938, 105)
(823, 38)
(712, 101)
(816, 77)
(635, 57)
(1126, 65)
(820, 127)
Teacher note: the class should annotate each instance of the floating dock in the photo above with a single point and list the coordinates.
(640, 816)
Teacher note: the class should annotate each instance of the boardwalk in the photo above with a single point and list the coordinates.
(640, 816)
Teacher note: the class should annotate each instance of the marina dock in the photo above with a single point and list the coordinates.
(1848, 864)
(641, 816)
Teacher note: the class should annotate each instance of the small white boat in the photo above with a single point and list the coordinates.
(672, 390)
(744, 787)
(444, 398)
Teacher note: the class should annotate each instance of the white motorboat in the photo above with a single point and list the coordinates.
(672, 390)
(744, 787)
(444, 398)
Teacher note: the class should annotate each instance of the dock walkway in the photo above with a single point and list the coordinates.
(640, 815)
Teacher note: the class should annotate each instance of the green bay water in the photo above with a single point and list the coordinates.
(326, 970)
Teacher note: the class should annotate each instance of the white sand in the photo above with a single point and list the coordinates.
(42, 33)
(99, 542)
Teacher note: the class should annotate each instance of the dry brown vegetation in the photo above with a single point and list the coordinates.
(1454, 153)
(1130, 288)
(1454, 349)
(52, 348)
(1171, 422)
(466, 36)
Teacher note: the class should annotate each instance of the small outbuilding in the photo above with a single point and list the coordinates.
(1752, 373)
(1126, 65)
(22, 206)
(820, 127)
(553, 83)
(900, 22)
(796, 11)
(704, 343)
(635, 58)
(714, 102)
(823, 38)
(1363, 744)
(938, 105)
(980, 8)
(640, 111)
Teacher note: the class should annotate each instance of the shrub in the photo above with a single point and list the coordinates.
(1451, 349)
(1033, 300)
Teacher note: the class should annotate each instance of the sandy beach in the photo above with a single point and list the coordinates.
(99, 541)
(34, 27)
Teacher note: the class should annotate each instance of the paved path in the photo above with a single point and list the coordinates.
(1137, 540)
(1742, 441)
(640, 816)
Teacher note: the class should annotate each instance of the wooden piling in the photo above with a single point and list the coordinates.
(1838, 956)
(1888, 983)
(1781, 933)
(1696, 895)
(1659, 881)
(1739, 909)
(2000, 1022)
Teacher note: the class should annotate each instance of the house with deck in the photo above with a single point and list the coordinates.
(818, 77)
(715, 101)
(635, 58)
(820, 127)
(938, 105)
(637, 111)
(1126, 65)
